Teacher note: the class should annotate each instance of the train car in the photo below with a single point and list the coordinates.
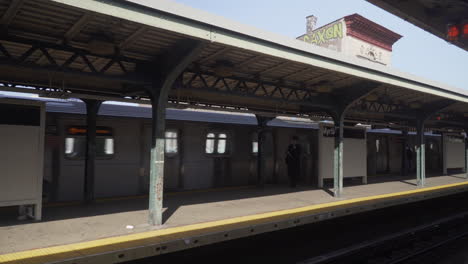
(385, 152)
(204, 149)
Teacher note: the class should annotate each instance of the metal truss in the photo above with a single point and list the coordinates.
(377, 107)
(122, 67)
(258, 89)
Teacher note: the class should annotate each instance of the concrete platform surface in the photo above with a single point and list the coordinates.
(77, 223)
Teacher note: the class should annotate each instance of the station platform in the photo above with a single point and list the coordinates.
(98, 233)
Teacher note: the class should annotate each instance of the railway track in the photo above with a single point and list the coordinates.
(399, 234)
(406, 246)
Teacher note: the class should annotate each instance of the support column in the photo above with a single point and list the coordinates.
(444, 153)
(420, 155)
(338, 157)
(92, 108)
(466, 155)
(158, 110)
(404, 156)
(262, 123)
(163, 75)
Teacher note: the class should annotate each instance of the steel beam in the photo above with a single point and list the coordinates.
(404, 155)
(52, 67)
(164, 74)
(198, 82)
(466, 157)
(11, 12)
(338, 156)
(209, 28)
(444, 153)
(74, 30)
(262, 124)
(420, 154)
(92, 108)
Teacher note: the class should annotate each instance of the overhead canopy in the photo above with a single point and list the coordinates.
(112, 50)
(430, 15)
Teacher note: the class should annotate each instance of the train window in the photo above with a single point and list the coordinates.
(216, 143)
(254, 143)
(75, 147)
(254, 146)
(210, 143)
(104, 147)
(222, 143)
(75, 143)
(171, 144)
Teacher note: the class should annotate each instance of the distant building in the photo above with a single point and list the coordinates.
(353, 35)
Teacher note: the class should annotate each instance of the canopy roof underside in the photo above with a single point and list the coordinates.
(57, 47)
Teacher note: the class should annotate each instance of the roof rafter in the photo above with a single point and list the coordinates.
(215, 55)
(11, 12)
(71, 33)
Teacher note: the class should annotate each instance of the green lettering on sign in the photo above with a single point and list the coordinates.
(325, 34)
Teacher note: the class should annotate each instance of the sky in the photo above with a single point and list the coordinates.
(418, 52)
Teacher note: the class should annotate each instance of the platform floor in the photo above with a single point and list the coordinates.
(77, 223)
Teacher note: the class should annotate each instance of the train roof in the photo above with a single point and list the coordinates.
(118, 109)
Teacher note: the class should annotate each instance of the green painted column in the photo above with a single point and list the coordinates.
(420, 155)
(157, 160)
(163, 73)
(92, 108)
(338, 159)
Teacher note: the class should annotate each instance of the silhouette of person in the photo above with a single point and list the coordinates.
(293, 161)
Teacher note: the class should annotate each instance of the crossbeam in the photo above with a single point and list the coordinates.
(251, 88)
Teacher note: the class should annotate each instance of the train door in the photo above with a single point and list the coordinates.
(381, 154)
(433, 161)
(268, 157)
(172, 163)
(306, 175)
(219, 148)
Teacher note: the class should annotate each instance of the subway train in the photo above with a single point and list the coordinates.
(204, 149)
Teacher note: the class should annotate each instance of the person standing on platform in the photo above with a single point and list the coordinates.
(409, 157)
(293, 161)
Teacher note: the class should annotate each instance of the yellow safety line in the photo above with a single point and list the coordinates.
(63, 252)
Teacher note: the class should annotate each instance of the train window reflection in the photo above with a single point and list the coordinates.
(69, 142)
(210, 146)
(254, 146)
(171, 144)
(221, 146)
(109, 146)
(75, 147)
(216, 143)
